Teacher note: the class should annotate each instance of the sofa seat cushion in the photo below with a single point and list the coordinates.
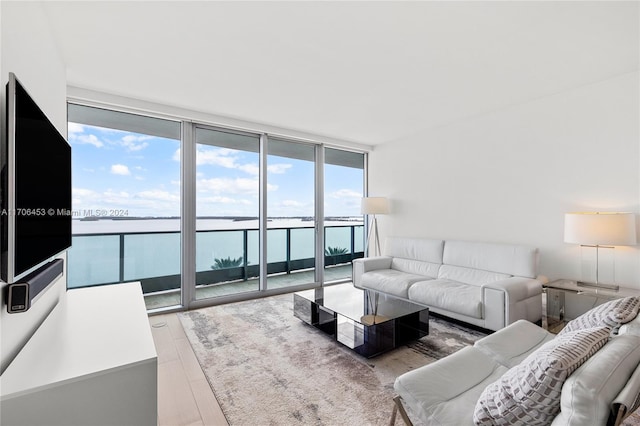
(588, 394)
(445, 392)
(448, 295)
(390, 281)
(529, 393)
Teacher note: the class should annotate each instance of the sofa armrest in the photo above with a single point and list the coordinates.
(628, 400)
(522, 298)
(366, 264)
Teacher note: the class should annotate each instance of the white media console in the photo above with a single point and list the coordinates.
(92, 362)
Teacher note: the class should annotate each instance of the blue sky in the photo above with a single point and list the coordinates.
(140, 175)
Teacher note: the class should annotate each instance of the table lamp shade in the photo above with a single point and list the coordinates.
(597, 229)
(374, 205)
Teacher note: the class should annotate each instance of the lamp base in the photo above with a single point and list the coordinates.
(613, 287)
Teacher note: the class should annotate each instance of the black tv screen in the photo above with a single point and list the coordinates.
(36, 196)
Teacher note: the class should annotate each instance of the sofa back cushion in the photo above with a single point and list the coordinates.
(588, 393)
(415, 267)
(418, 256)
(469, 276)
(517, 260)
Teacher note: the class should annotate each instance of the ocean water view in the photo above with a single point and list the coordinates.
(108, 250)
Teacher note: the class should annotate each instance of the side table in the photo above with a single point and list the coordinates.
(563, 300)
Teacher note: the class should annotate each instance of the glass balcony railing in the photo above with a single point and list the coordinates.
(223, 256)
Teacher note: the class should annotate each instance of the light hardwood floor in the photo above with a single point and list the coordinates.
(184, 395)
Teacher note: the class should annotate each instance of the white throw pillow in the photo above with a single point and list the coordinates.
(610, 314)
(529, 393)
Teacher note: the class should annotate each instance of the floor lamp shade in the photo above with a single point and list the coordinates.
(375, 205)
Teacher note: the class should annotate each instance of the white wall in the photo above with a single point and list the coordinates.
(509, 176)
(28, 51)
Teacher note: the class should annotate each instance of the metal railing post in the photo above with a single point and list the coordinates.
(245, 248)
(353, 241)
(121, 265)
(288, 250)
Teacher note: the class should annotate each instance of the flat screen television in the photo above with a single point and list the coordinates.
(35, 219)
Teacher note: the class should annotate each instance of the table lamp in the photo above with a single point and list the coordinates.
(600, 229)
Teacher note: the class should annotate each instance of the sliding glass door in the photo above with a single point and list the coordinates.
(343, 226)
(227, 212)
(291, 224)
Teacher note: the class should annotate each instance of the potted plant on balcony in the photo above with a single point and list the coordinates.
(335, 255)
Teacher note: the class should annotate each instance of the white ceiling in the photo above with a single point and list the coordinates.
(366, 72)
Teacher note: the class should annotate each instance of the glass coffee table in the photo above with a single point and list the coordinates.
(366, 321)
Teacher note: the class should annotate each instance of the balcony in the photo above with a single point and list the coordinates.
(226, 260)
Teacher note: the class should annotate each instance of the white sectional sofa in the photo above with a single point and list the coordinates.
(485, 284)
(599, 389)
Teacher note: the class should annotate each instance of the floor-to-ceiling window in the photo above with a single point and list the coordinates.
(227, 212)
(291, 223)
(126, 202)
(199, 213)
(343, 227)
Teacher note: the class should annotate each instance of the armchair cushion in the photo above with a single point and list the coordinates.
(510, 345)
(529, 393)
(444, 392)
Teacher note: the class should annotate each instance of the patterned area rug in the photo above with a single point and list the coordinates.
(266, 367)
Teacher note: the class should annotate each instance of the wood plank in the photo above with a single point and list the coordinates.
(177, 331)
(189, 360)
(163, 339)
(208, 404)
(176, 402)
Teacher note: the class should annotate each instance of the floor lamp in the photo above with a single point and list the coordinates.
(600, 230)
(373, 206)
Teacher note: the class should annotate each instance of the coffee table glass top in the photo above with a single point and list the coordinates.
(362, 306)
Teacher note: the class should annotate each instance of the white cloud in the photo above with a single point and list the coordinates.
(251, 169)
(154, 202)
(135, 142)
(278, 168)
(73, 128)
(228, 185)
(292, 203)
(86, 139)
(217, 157)
(231, 186)
(225, 200)
(345, 193)
(158, 195)
(120, 169)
